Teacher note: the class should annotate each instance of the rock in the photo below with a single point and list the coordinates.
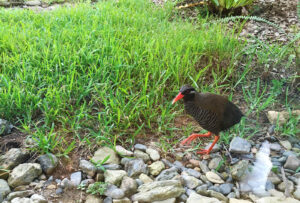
(122, 151)
(135, 167)
(140, 182)
(59, 191)
(286, 144)
(48, 163)
(66, 183)
(281, 117)
(194, 162)
(182, 198)
(275, 147)
(87, 167)
(33, 3)
(110, 167)
(239, 145)
(158, 191)
(4, 189)
(269, 185)
(13, 158)
(129, 186)
(114, 176)
(217, 195)
(276, 200)
(107, 200)
(76, 178)
(233, 200)
(214, 163)
(5, 127)
(238, 171)
(196, 198)
(226, 188)
(167, 174)
(202, 189)
(141, 155)
(296, 194)
(140, 147)
(124, 200)
(125, 160)
(290, 186)
(36, 198)
(146, 179)
(203, 166)
(213, 177)
(190, 181)
(214, 188)
(156, 167)
(114, 192)
(193, 172)
(178, 165)
(292, 163)
(21, 200)
(154, 155)
(24, 174)
(93, 199)
(171, 200)
(104, 152)
(273, 178)
(167, 163)
(216, 147)
(51, 187)
(20, 194)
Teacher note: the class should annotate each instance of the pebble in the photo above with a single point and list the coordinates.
(108, 200)
(136, 167)
(226, 188)
(193, 172)
(129, 186)
(239, 145)
(154, 155)
(122, 151)
(213, 177)
(292, 163)
(286, 144)
(146, 179)
(156, 167)
(111, 166)
(179, 166)
(194, 162)
(141, 155)
(214, 188)
(214, 163)
(59, 191)
(190, 181)
(167, 174)
(140, 147)
(203, 166)
(202, 189)
(216, 147)
(114, 192)
(114, 176)
(87, 167)
(76, 178)
(290, 186)
(275, 147)
(25, 193)
(238, 170)
(104, 152)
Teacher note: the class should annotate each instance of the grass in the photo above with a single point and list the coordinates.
(108, 71)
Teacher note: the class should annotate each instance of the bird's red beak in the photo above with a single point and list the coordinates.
(178, 97)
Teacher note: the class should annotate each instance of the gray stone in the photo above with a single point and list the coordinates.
(5, 127)
(114, 192)
(167, 174)
(296, 194)
(171, 200)
(231, 195)
(123, 152)
(93, 199)
(290, 186)
(87, 182)
(76, 178)
(167, 163)
(286, 144)
(20, 194)
(269, 185)
(182, 198)
(36, 198)
(216, 147)
(196, 198)
(48, 163)
(140, 147)
(226, 188)
(156, 167)
(141, 155)
(179, 166)
(4, 188)
(214, 178)
(66, 183)
(214, 163)
(87, 167)
(288, 153)
(123, 200)
(154, 155)
(193, 172)
(107, 200)
(104, 152)
(125, 160)
(59, 191)
(13, 158)
(158, 191)
(33, 3)
(239, 145)
(217, 195)
(203, 166)
(140, 182)
(21, 200)
(24, 174)
(114, 176)
(202, 189)
(214, 188)
(292, 163)
(275, 147)
(136, 167)
(111, 166)
(129, 186)
(239, 170)
(190, 181)
(146, 179)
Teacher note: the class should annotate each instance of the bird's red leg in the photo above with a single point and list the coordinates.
(194, 136)
(207, 151)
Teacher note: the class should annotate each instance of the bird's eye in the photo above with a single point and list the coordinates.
(187, 91)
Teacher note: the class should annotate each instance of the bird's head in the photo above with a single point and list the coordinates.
(186, 91)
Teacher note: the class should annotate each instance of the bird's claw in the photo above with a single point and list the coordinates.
(203, 151)
(188, 140)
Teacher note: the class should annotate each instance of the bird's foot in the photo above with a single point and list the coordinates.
(203, 151)
(194, 136)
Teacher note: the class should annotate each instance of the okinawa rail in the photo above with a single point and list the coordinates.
(213, 112)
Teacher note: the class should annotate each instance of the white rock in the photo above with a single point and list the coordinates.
(196, 198)
(122, 151)
(214, 178)
(154, 155)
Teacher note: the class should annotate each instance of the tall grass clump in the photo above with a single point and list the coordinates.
(106, 70)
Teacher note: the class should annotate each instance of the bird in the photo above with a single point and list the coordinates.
(213, 112)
